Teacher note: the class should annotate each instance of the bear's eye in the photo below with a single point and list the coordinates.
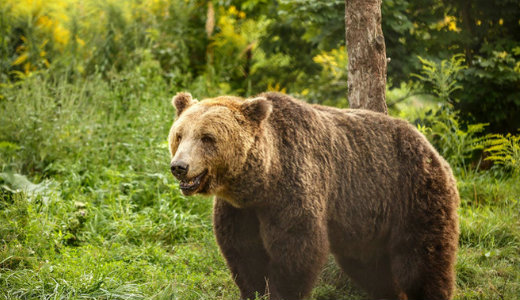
(208, 139)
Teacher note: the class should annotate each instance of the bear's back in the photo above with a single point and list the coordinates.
(360, 156)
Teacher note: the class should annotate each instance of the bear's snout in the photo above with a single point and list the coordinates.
(179, 169)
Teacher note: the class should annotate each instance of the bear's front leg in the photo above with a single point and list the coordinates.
(298, 246)
(238, 236)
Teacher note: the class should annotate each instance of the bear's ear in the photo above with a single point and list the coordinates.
(181, 101)
(256, 109)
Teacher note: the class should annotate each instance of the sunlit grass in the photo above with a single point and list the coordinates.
(103, 218)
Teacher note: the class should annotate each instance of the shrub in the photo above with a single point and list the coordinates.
(491, 90)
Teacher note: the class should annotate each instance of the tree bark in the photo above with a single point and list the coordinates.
(366, 55)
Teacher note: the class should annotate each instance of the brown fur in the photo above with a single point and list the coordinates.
(294, 182)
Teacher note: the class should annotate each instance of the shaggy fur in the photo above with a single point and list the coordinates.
(294, 182)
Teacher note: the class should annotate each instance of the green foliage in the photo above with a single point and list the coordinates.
(457, 144)
(441, 77)
(464, 144)
(107, 222)
(503, 150)
(444, 129)
(232, 54)
(487, 32)
(320, 20)
(82, 38)
(328, 87)
(491, 90)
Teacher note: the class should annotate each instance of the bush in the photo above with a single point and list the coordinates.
(491, 91)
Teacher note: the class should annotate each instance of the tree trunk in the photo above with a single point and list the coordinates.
(366, 55)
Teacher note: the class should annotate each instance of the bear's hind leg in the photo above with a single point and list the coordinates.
(427, 273)
(237, 233)
(375, 277)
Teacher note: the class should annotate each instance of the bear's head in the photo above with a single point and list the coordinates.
(210, 140)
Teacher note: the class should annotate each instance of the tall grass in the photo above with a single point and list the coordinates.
(104, 219)
(88, 208)
(81, 38)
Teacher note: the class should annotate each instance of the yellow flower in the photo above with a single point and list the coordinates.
(232, 10)
(241, 15)
(20, 48)
(61, 35)
(21, 59)
(452, 23)
(453, 27)
(517, 67)
(27, 67)
(60, 15)
(448, 21)
(44, 22)
(275, 88)
(80, 41)
(501, 21)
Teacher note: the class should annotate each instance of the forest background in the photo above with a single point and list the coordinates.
(88, 209)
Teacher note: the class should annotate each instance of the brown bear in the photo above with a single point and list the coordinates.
(294, 182)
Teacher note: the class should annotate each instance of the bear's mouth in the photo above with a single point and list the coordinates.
(190, 186)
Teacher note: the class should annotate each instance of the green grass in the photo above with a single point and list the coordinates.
(88, 209)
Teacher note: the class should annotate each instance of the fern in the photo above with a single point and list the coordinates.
(503, 150)
(442, 76)
(458, 144)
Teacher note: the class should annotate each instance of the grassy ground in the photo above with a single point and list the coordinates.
(88, 209)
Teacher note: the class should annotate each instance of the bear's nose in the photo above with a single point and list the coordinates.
(179, 168)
